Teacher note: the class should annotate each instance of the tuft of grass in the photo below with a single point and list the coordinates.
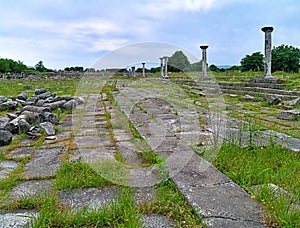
(172, 204)
(77, 174)
(260, 166)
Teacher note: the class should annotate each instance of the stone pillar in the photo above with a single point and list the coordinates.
(161, 67)
(143, 67)
(166, 67)
(133, 71)
(268, 51)
(204, 70)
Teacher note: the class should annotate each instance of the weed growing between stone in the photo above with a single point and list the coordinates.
(260, 166)
(171, 203)
(77, 174)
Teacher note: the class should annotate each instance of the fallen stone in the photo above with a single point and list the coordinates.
(294, 102)
(4, 121)
(50, 117)
(48, 127)
(289, 115)
(9, 105)
(34, 117)
(247, 97)
(278, 191)
(44, 96)
(55, 105)
(39, 91)
(22, 96)
(273, 100)
(52, 137)
(5, 138)
(33, 108)
(11, 127)
(12, 116)
(3, 99)
(24, 126)
(70, 105)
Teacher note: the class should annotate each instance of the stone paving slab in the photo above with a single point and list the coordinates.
(93, 155)
(92, 198)
(30, 188)
(215, 196)
(21, 152)
(156, 220)
(92, 141)
(6, 167)
(44, 163)
(17, 219)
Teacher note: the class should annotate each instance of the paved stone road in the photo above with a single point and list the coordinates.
(170, 129)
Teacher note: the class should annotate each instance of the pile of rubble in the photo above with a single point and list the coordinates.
(33, 115)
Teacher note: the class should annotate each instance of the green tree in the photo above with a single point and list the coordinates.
(214, 68)
(40, 67)
(4, 65)
(178, 62)
(254, 62)
(285, 58)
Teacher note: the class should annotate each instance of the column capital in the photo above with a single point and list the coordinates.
(267, 29)
(204, 46)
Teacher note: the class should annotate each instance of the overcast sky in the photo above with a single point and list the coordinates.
(79, 32)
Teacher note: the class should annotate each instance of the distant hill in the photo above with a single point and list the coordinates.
(224, 66)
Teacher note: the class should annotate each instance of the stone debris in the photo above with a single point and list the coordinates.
(5, 137)
(273, 100)
(294, 102)
(289, 115)
(31, 115)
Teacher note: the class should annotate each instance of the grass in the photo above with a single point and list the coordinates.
(260, 166)
(172, 204)
(58, 87)
(77, 174)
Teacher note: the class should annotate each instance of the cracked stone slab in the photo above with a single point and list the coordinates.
(31, 188)
(156, 220)
(214, 195)
(44, 162)
(18, 219)
(144, 195)
(92, 198)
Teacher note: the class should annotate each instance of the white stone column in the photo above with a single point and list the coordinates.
(133, 71)
(143, 67)
(161, 67)
(268, 51)
(204, 70)
(166, 67)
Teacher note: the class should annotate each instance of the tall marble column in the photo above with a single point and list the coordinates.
(133, 71)
(143, 68)
(268, 51)
(204, 70)
(166, 67)
(161, 67)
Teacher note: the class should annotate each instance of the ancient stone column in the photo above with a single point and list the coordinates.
(133, 71)
(161, 67)
(204, 70)
(166, 67)
(268, 51)
(143, 67)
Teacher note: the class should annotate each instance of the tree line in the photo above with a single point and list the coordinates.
(284, 58)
